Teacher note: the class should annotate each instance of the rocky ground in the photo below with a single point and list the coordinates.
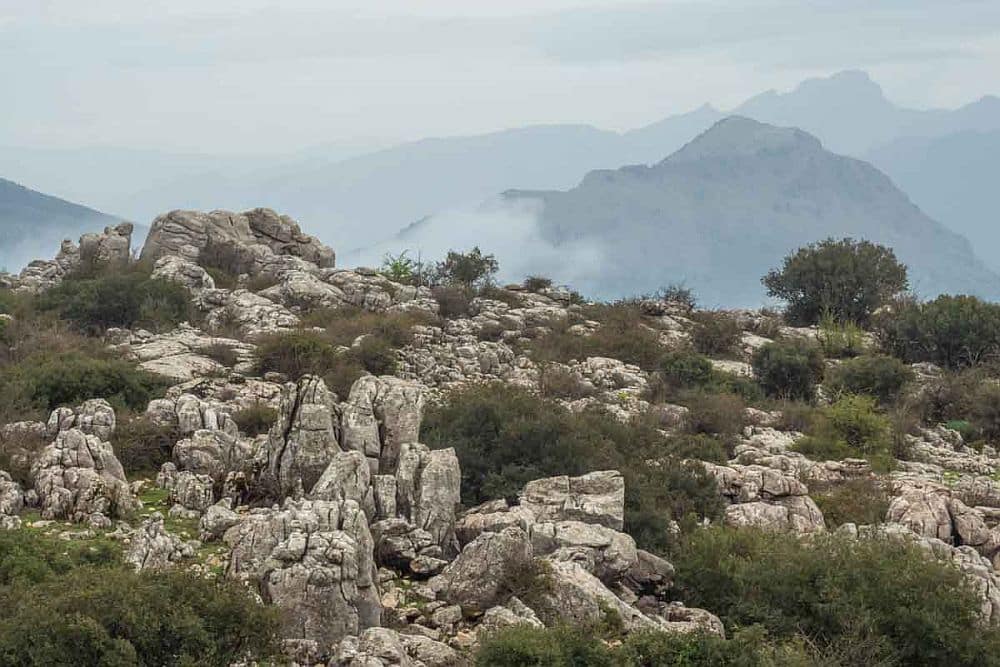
(362, 538)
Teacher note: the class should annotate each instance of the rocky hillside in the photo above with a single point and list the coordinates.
(31, 223)
(726, 206)
(406, 475)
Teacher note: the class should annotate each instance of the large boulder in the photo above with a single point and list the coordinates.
(11, 496)
(111, 248)
(212, 453)
(597, 497)
(476, 580)
(379, 415)
(257, 236)
(93, 417)
(303, 441)
(152, 547)
(78, 475)
(428, 490)
(767, 498)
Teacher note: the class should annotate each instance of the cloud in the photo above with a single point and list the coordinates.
(510, 231)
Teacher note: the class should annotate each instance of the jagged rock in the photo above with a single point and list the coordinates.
(511, 614)
(217, 519)
(428, 488)
(112, 248)
(152, 547)
(93, 417)
(597, 497)
(11, 496)
(686, 620)
(924, 510)
(348, 477)
(41, 275)
(314, 560)
(380, 647)
(250, 314)
(78, 475)
(191, 491)
(303, 441)
(211, 453)
(650, 574)
(184, 272)
(260, 234)
(193, 414)
(398, 543)
(379, 415)
(185, 353)
(605, 553)
(766, 498)
(475, 579)
(492, 517)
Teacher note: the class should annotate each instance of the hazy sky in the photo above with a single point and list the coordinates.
(276, 76)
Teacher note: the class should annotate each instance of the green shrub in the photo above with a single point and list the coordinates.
(28, 558)
(255, 419)
(893, 597)
(840, 339)
(715, 413)
(985, 412)
(677, 649)
(950, 331)
(560, 647)
(453, 300)
(49, 381)
(624, 335)
(789, 370)
(863, 501)
(687, 370)
(506, 437)
(851, 427)
(879, 376)
(559, 382)
(297, 353)
(537, 283)
(97, 616)
(470, 269)
(848, 279)
(143, 446)
(701, 447)
(401, 269)
(678, 293)
(715, 333)
(126, 299)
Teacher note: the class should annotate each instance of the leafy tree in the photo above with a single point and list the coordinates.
(951, 331)
(469, 269)
(848, 279)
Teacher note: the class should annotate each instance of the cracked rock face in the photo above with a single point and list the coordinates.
(152, 547)
(303, 441)
(766, 498)
(11, 496)
(94, 417)
(379, 415)
(211, 453)
(597, 497)
(382, 647)
(78, 475)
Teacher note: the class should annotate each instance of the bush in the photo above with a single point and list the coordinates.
(296, 353)
(221, 353)
(125, 299)
(847, 279)
(893, 597)
(560, 647)
(678, 293)
(879, 376)
(715, 333)
(537, 283)
(985, 412)
(950, 331)
(715, 413)
(623, 335)
(559, 382)
(255, 419)
(851, 427)
(28, 558)
(840, 339)
(344, 325)
(376, 355)
(143, 446)
(789, 370)
(102, 616)
(506, 437)
(471, 269)
(226, 261)
(401, 269)
(701, 447)
(49, 381)
(863, 501)
(453, 301)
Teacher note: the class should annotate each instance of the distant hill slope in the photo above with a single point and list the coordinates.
(33, 224)
(721, 211)
(954, 179)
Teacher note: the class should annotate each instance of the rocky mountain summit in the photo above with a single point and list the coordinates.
(339, 512)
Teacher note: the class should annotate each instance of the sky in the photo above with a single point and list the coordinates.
(263, 76)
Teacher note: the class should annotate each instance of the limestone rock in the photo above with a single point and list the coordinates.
(11, 496)
(303, 441)
(93, 417)
(211, 453)
(152, 547)
(597, 497)
(475, 579)
(379, 415)
(184, 272)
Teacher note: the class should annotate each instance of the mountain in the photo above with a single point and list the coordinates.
(730, 204)
(953, 178)
(33, 224)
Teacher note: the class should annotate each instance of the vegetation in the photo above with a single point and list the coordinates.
(255, 419)
(623, 334)
(882, 600)
(83, 607)
(863, 501)
(789, 369)
(716, 333)
(506, 437)
(950, 331)
(470, 269)
(851, 427)
(847, 279)
(840, 339)
(879, 376)
(141, 445)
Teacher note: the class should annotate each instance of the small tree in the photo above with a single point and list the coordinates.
(400, 268)
(468, 269)
(789, 370)
(848, 279)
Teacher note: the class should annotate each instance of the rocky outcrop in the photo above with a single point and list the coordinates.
(257, 235)
(249, 314)
(184, 272)
(188, 490)
(94, 417)
(185, 353)
(379, 415)
(212, 453)
(766, 498)
(152, 547)
(77, 476)
(113, 248)
(597, 497)
(477, 578)
(303, 441)
(378, 647)
(11, 502)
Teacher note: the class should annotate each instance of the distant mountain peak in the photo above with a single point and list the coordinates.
(739, 135)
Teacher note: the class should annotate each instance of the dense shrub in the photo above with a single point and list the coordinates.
(506, 437)
(951, 331)
(102, 616)
(840, 339)
(701, 447)
(847, 279)
(984, 414)
(715, 333)
(789, 370)
(623, 335)
(255, 419)
(682, 370)
(877, 375)
(890, 598)
(715, 413)
(344, 325)
(558, 647)
(46, 381)
(297, 353)
(537, 283)
(470, 269)
(851, 427)
(560, 382)
(28, 558)
(863, 501)
(453, 300)
(141, 445)
(125, 299)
